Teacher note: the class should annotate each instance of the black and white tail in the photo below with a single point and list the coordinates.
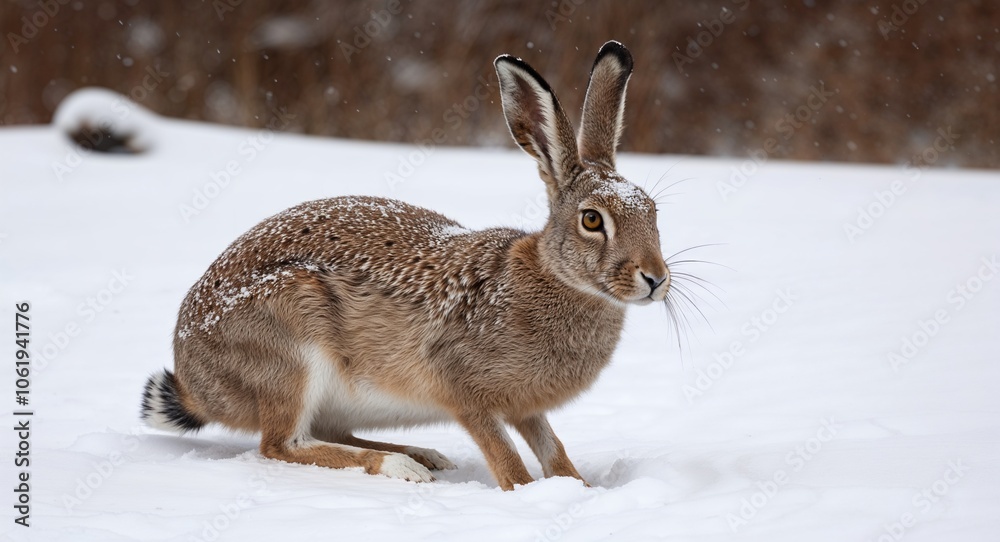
(162, 408)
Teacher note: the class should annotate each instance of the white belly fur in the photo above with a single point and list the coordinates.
(335, 405)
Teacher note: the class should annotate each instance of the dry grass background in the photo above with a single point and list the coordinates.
(233, 61)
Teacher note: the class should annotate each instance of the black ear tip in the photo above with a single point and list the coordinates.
(505, 61)
(618, 50)
(505, 58)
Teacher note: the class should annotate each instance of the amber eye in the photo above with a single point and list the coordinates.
(592, 220)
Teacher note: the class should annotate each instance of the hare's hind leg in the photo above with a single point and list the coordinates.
(543, 442)
(287, 415)
(285, 435)
(432, 459)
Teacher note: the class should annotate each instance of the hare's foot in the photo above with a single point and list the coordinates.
(501, 456)
(548, 449)
(432, 459)
(401, 466)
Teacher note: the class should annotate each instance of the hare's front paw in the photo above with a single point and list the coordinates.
(432, 459)
(403, 466)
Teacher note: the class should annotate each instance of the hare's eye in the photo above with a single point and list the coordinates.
(592, 220)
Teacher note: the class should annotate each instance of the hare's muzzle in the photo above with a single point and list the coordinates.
(657, 279)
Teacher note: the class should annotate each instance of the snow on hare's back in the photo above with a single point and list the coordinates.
(356, 312)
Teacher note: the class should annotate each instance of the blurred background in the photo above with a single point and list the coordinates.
(877, 81)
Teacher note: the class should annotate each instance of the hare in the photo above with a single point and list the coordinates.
(356, 313)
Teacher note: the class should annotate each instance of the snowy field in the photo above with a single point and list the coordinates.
(844, 387)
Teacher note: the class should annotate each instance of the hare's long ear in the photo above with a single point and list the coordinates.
(604, 107)
(538, 123)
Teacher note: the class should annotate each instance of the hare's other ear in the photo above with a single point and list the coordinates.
(604, 107)
(537, 122)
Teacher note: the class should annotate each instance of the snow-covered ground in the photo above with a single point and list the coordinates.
(845, 389)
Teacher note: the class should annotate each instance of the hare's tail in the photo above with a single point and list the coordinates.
(162, 408)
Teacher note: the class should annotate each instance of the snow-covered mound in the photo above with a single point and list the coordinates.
(99, 112)
(845, 389)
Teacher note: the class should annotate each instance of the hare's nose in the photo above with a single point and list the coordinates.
(654, 282)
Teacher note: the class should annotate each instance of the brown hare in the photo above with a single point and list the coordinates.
(356, 313)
